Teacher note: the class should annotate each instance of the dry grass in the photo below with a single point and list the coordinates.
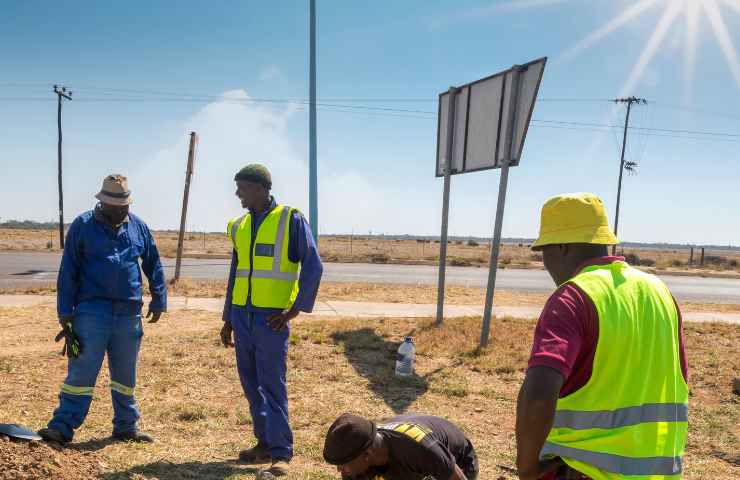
(381, 250)
(385, 293)
(376, 292)
(191, 398)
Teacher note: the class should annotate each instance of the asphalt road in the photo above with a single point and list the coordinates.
(18, 269)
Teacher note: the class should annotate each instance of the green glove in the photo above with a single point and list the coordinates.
(72, 346)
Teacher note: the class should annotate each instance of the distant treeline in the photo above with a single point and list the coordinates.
(528, 241)
(32, 225)
(29, 225)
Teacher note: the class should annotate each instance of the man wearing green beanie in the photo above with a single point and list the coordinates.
(275, 274)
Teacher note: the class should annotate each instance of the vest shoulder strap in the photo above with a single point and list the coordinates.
(234, 226)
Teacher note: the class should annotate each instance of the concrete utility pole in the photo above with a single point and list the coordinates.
(61, 93)
(313, 201)
(629, 101)
(185, 197)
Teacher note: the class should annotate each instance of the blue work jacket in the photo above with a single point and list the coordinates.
(100, 267)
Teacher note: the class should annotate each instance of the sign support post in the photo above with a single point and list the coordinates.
(445, 206)
(483, 126)
(500, 205)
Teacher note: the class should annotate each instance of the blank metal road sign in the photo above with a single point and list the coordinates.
(481, 120)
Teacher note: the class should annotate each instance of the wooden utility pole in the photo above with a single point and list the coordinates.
(185, 196)
(629, 101)
(61, 92)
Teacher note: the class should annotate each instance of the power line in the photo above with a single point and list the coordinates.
(645, 129)
(392, 112)
(114, 91)
(200, 96)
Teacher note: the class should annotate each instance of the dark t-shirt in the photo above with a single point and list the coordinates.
(420, 447)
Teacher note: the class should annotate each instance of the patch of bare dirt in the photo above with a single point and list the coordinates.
(23, 460)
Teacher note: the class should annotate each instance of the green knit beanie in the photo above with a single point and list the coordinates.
(255, 173)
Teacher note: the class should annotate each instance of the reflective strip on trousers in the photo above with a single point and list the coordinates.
(121, 388)
(621, 417)
(72, 390)
(617, 463)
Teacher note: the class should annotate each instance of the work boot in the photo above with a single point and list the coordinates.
(256, 454)
(52, 435)
(279, 468)
(133, 436)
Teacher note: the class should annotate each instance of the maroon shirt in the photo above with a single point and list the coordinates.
(567, 333)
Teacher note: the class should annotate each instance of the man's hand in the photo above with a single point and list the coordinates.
(279, 321)
(226, 334)
(534, 417)
(72, 345)
(155, 315)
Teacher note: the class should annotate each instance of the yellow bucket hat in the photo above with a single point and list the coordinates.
(574, 218)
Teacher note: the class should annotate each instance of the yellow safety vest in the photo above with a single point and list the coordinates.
(264, 269)
(630, 419)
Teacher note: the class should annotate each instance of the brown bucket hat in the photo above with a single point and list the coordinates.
(115, 191)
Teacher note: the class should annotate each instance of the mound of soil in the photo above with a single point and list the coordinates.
(22, 460)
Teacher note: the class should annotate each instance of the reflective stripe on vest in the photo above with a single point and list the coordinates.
(235, 227)
(616, 463)
(622, 417)
(630, 419)
(273, 284)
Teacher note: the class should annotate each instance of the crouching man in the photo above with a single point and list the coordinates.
(407, 447)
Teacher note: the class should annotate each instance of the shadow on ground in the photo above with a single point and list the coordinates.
(732, 459)
(375, 358)
(189, 470)
(94, 445)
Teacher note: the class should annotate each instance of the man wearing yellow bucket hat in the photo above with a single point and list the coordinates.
(605, 395)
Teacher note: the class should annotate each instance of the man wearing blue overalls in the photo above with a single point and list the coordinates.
(99, 291)
(272, 244)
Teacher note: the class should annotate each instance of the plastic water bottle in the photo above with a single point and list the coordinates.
(405, 358)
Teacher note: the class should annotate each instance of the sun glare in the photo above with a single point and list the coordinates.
(673, 11)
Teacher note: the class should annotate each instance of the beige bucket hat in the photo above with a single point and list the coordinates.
(115, 191)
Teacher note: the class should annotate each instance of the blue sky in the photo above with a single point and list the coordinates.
(124, 60)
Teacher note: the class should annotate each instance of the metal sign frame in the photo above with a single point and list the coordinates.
(467, 88)
(511, 108)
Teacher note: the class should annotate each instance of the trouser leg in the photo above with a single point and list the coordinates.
(244, 344)
(271, 354)
(76, 394)
(123, 354)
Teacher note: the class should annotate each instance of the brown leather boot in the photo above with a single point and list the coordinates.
(52, 435)
(279, 468)
(255, 455)
(134, 436)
